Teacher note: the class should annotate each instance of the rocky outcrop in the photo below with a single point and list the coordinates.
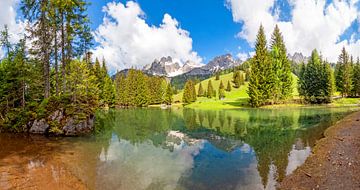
(60, 124)
(39, 127)
(73, 128)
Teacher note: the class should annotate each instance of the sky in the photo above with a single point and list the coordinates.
(134, 33)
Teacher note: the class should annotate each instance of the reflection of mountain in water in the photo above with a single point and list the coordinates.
(241, 148)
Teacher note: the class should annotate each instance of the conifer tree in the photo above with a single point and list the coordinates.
(356, 78)
(168, 95)
(210, 90)
(217, 77)
(281, 67)
(193, 92)
(344, 74)
(237, 79)
(316, 81)
(258, 85)
(187, 95)
(228, 88)
(221, 91)
(120, 86)
(200, 91)
(241, 78)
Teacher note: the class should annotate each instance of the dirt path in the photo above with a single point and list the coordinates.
(335, 162)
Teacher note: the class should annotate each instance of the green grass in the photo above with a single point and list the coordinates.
(238, 98)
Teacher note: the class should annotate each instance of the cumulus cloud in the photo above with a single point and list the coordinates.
(313, 24)
(8, 17)
(126, 40)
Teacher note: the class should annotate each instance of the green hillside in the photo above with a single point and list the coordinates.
(234, 99)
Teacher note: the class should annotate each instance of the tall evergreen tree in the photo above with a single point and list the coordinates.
(217, 76)
(344, 74)
(259, 84)
(221, 90)
(188, 95)
(237, 79)
(200, 91)
(281, 67)
(210, 90)
(316, 81)
(356, 78)
(120, 86)
(168, 95)
(228, 88)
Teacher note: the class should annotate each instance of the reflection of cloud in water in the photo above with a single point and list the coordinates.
(142, 166)
(297, 158)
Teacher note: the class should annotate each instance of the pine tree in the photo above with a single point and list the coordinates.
(200, 91)
(221, 91)
(120, 86)
(316, 81)
(187, 95)
(241, 78)
(168, 95)
(210, 90)
(259, 86)
(228, 88)
(281, 68)
(356, 79)
(344, 74)
(193, 92)
(237, 79)
(217, 76)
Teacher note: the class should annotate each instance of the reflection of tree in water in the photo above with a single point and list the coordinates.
(271, 140)
(271, 133)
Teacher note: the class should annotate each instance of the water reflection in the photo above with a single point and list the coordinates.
(192, 149)
(177, 149)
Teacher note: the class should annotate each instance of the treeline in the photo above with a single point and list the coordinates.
(347, 74)
(54, 72)
(135, 89)
(270, 79)
(316, 80)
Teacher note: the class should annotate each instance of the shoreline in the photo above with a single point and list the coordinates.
(334, 162)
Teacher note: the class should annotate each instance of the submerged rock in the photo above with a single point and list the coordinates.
(39, 127)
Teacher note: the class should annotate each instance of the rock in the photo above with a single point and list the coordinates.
(58, 115)
(39, 127)
(73, 128)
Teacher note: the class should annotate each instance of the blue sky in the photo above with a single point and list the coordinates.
(217, 27)
(134, 33)
(209, 22)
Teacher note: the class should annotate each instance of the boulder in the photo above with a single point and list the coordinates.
(39, 127)
(58, 115)
(73, 128)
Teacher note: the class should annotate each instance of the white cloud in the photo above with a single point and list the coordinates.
(243, 56)
(126, 40)
(8, 17)
(314, 24)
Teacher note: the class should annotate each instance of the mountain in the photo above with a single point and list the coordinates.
(219, 63)
(298, 58)
(169, 67)
(166, 66)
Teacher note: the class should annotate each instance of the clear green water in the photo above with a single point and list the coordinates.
(191, 149)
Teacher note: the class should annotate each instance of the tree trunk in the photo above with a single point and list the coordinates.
(56, 60)
(63, 51)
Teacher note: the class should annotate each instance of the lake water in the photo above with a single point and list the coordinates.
(181, 149)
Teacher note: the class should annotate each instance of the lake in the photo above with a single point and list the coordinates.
(172, 149)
